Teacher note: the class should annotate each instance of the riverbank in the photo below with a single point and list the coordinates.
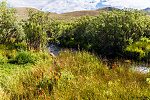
(71, 75)
(141, 68)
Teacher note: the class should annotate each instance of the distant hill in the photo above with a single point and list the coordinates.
(81, 13)
(108, 9)
(147, 9)
(22, 12)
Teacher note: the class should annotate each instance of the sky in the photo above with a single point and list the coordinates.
(62, 6)
(137, 4)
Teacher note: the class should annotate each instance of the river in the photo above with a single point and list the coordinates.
(54, 51)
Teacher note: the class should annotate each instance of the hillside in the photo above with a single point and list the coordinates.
(22, 12)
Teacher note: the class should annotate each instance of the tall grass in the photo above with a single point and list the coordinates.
(21, 81)
(72, 76)
(85, 77)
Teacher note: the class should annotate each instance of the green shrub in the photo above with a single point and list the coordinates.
(35, 30)
(18, 46)
(141, 47)
(3, 59)
(107, 34)
(21, 46)
(10, 29)
(24, 57)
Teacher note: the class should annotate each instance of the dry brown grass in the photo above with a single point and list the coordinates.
(22, 13)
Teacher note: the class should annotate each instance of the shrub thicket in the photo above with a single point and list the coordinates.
(109, 34)
(73, 75)
(24, 58)
(10, 29)
(35, 30)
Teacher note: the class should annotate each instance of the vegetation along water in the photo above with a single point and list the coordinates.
(87, 68)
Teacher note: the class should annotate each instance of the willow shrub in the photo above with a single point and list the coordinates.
(111, 32)
(141, 48)
(10, 29)
(35, 30)
(74, 33)
(107, 34)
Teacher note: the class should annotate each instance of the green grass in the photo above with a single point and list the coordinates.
(71, 76)
(20, 81)
(80, 75)
(85, 77)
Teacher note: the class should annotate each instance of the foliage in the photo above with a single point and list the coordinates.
(3, 59)
(20, 46)
(74, 34)
(111, 31)
(78, 75)
(24, 58)
(30, 75)
(35, 30)
(84, 76)
(54, 31)
(142, 47)
(10, 29)
(107, 34)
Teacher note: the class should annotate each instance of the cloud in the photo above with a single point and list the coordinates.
(61, 6)
(137, 4)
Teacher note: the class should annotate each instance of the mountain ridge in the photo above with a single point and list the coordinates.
(147, 9)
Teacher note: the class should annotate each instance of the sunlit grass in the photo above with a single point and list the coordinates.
(84, 76)
(72, 75)
(20, 81)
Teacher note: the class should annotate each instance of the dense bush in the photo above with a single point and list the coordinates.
(35, 30)
(23, 57)
(141, 48)
(74, 34)
(10, 29)
(108, 34)
(3, 59)
(20, 46)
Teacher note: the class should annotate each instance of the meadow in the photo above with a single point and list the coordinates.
(79, 75)
(79, 72)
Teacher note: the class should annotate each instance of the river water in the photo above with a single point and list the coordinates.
(54, 51)
(141, 69)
